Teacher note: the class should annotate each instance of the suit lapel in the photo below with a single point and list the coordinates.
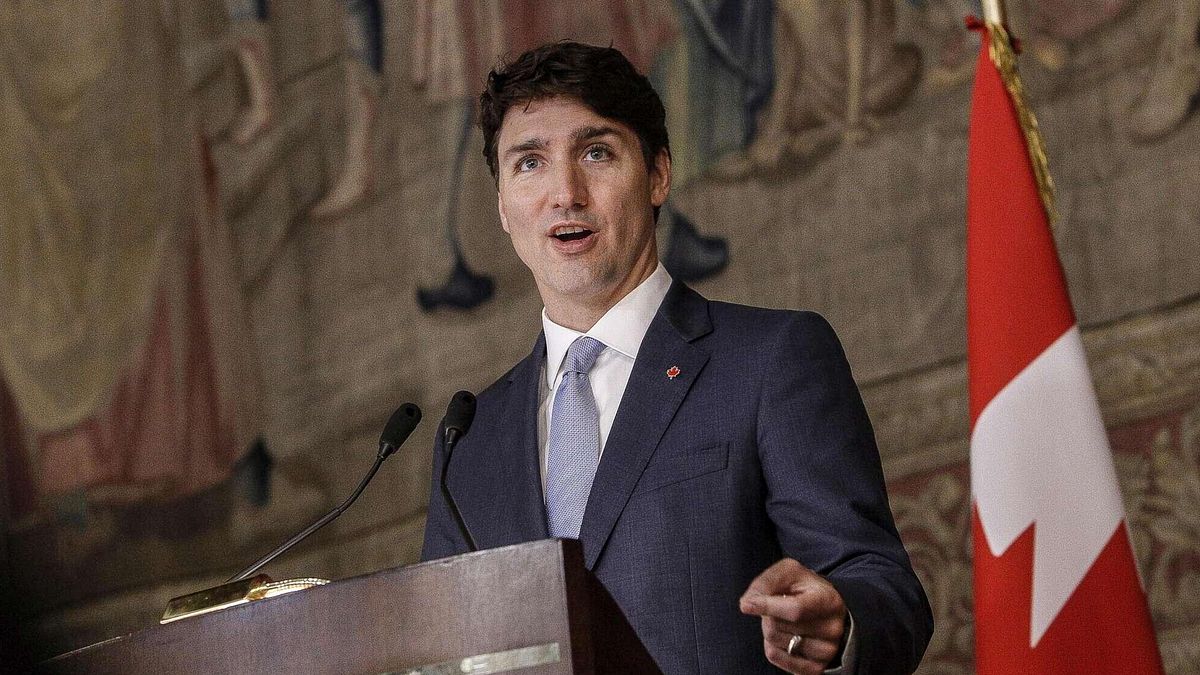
(651, 399)
(498, 485)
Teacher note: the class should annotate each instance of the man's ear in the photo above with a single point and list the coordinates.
(660, 178)
(500, 210)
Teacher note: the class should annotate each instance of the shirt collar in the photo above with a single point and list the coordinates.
(621, 328)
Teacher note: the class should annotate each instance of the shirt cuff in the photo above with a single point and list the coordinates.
(849, 651)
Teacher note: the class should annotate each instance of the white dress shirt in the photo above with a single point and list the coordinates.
(621, 329)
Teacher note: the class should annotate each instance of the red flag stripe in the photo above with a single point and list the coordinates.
(1017, 295)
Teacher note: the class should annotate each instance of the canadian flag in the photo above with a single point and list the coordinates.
(1056, 583)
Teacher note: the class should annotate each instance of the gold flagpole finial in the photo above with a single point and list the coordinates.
(993, 12)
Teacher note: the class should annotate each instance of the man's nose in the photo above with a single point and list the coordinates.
(570, 187)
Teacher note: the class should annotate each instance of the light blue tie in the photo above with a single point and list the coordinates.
(574, 449)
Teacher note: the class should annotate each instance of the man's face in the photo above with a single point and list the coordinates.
(577, 199)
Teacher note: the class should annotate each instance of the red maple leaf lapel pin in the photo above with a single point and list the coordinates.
(673, 372)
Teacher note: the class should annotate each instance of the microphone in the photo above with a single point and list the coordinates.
(459, 415)
(399, 426)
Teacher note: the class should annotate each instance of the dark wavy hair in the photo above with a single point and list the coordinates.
(600, 77)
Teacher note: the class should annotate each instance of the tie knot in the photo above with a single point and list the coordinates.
(582, 355)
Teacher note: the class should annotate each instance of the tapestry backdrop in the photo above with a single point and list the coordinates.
(235, 234)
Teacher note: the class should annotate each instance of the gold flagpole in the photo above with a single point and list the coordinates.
(993, 12)
(1001, 49)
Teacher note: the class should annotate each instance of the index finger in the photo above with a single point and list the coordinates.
(786, 607)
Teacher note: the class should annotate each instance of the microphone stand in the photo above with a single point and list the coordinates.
(325, 520)
(242, 588)
(452, 436)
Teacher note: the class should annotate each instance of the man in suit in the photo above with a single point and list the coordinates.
(714, 460)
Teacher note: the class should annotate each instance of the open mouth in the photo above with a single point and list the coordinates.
(572, 233)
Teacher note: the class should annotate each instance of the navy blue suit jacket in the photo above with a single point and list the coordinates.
(759, 448)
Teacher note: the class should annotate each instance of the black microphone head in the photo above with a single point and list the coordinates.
(460, 413)
(399, 426)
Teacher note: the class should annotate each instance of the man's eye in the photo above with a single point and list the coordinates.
(598, 153)
(527, 163)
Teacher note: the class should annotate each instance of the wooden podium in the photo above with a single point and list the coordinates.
(526, 609)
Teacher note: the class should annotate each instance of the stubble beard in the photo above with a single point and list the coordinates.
(580, 281)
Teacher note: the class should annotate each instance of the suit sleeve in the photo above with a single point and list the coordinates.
(442, 538)
(827, 499)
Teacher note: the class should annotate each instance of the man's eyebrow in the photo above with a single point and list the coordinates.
(535, 143)
(590, 132)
